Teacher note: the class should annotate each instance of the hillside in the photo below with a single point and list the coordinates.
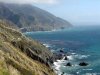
(31, 18)
(22, 56)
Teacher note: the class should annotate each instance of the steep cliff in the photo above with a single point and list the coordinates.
(22, 56)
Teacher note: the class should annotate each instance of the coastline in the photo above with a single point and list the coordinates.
(76, 56)
(58, 64)
(53, 30)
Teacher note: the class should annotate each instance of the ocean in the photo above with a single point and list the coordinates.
(81, 43)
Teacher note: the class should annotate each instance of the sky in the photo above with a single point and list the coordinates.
(77, 12)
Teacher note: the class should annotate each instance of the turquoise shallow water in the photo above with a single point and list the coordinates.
(83, 44)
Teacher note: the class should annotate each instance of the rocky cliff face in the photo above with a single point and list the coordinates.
(31, 18)
(22, 56)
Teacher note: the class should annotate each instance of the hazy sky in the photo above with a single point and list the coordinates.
(76, 11)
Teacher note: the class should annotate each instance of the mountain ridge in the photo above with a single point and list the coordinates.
(31, 18)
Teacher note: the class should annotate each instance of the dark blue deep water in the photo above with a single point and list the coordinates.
(83, 44)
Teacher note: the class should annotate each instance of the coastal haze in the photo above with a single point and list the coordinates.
(78, 12)
(49, 37)
(31, 18)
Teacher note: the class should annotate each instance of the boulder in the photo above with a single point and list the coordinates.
(68, 64)
(58, 56)
(83, 64)
(61, 51)
(65, 58)
(62, 73)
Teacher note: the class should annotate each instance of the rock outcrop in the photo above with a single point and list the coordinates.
(83, 64)
(68, 64)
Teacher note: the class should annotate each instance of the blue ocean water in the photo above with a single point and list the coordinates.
(82, 43)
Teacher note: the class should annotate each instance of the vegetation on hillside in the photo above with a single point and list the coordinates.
(22, 56)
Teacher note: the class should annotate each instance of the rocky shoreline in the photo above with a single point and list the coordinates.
(63, 56)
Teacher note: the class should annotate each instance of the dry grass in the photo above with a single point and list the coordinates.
(14, 60)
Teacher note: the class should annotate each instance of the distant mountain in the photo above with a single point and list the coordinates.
(31, 18)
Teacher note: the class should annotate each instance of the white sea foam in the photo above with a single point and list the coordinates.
(47, 45)
(88, 69)
(84, 56)
(57, 66)
(37, 32)
(73, 53)
(92, 74)
(77, 72)
(52, 50)
(70, 57)
(78, 56)
(60, 64)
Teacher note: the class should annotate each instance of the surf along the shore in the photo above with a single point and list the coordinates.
(80, 45)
